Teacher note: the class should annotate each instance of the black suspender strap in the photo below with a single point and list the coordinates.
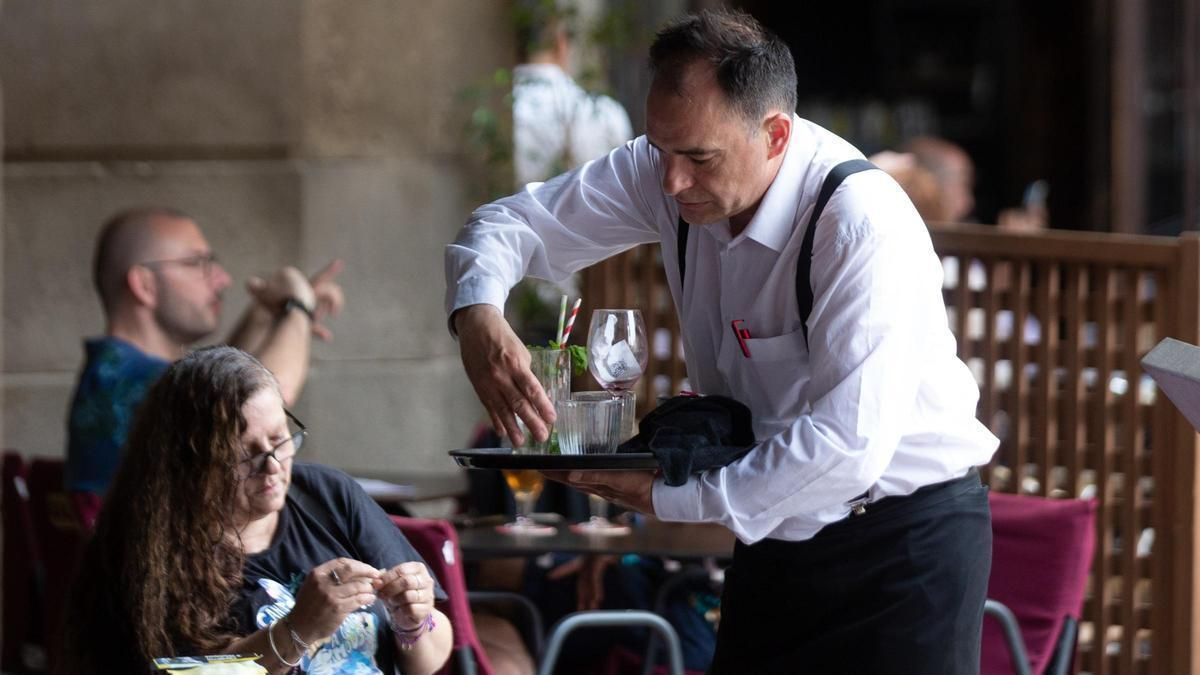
(804, 292)
(681, 237)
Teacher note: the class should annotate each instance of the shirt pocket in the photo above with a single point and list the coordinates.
(770, 381)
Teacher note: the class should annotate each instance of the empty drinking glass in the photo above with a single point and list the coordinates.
(588, 426)
(599, 523)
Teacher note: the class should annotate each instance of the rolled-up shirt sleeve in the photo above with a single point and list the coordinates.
(551, 230)
(873, 292)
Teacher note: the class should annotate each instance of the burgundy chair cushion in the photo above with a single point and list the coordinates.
(1042, 550)
(437, 542)
(21, 558)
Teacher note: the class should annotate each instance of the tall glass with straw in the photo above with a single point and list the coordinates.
(552, 368)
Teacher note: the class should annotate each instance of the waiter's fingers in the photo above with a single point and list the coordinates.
(536, 427)
(498, 399)
(535, 394)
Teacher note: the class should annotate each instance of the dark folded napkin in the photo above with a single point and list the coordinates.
(689, 434)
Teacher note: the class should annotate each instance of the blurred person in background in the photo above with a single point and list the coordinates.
(939, 177)
(161, 289)
(557, 125)
(953, 172)
(215, 540)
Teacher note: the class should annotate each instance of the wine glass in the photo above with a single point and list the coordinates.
(598, 523)
(617, 350)
(526, 486)
(617, 358)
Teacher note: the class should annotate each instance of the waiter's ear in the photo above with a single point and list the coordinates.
(779, 129)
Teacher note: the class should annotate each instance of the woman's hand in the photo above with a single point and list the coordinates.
(331, 592)
(407, 590)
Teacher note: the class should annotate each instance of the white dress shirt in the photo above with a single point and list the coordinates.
(878, 400)
(557, 125)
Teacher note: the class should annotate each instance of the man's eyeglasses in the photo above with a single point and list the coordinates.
(280, 453)
(205, 262)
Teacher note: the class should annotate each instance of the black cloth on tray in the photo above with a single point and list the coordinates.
(690, 434)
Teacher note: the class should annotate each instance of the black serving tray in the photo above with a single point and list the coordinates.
(503, 458)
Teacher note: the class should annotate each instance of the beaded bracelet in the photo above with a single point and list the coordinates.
(407, 637)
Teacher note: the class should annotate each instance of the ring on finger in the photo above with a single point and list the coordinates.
(337, 581)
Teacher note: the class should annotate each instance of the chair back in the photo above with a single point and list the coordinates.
(61, 536)
(1041, 553)
(24, 576)
(437, 542)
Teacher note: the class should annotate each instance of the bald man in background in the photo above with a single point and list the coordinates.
(161, 289)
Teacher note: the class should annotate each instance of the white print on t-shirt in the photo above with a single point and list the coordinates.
(349, 651)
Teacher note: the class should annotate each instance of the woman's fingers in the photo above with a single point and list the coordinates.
(341, 570)
(406, 584)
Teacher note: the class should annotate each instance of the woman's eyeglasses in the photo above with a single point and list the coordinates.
(281, 452)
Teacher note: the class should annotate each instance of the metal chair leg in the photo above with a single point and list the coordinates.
(1012, 634)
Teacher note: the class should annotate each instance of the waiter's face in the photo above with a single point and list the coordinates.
(716, 164)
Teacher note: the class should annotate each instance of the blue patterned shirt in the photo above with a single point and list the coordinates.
(114, 380)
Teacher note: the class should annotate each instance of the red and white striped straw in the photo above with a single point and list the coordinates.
(571, 321)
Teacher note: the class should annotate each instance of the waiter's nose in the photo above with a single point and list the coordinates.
(677, 177)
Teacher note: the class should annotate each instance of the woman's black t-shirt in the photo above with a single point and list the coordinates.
(327, 516)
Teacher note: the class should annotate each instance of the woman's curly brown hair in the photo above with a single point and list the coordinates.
(161, 572)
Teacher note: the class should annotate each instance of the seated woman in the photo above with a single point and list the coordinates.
(212, 540)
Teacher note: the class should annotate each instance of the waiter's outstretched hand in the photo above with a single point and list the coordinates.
(629, 489)
(498, 366)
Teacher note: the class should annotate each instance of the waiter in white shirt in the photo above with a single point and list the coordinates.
(864, 532)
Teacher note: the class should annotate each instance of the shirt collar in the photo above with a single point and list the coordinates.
(775, 219)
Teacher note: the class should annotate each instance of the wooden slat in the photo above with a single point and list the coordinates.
(990, 349)
(1127, 446)
(1100, 458)
(1056, 246)
(1073, 296)
(1043, 432)
(1019, 422)
(1182, 519)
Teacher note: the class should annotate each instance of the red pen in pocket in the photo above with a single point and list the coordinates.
(742, 334)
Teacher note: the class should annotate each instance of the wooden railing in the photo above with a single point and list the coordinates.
(1054, 326)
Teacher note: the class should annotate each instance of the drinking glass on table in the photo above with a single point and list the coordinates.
(526, 486)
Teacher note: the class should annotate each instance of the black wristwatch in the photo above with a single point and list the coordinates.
(294, 303)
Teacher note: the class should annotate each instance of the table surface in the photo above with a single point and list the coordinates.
(651, 537)
(398, 487)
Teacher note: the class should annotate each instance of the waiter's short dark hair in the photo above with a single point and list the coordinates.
(753, 66)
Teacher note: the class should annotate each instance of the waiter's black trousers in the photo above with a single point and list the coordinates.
(898, 589)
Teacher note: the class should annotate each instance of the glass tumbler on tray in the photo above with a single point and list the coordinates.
(621, 429)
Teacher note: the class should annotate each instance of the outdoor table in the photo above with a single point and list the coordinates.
(390, 489)
(650, 536)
